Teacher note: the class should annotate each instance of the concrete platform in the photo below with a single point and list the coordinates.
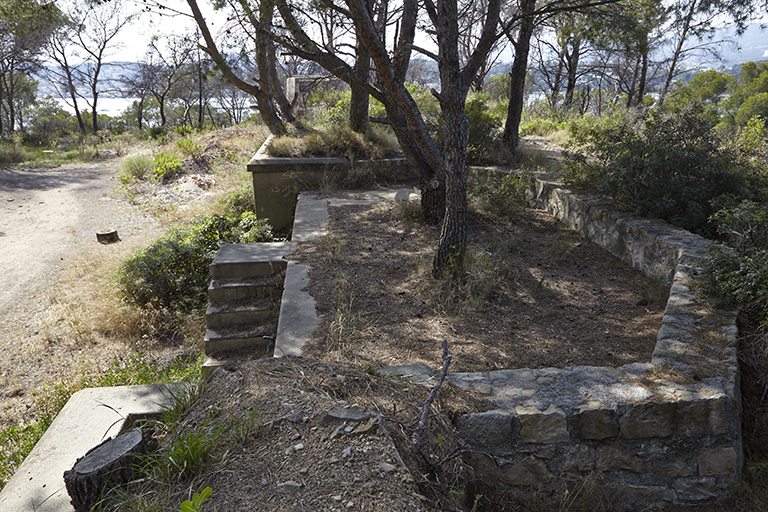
(90, 416)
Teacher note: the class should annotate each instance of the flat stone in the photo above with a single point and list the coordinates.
(289, 486)
(697, 489)
(419, 373)
(579, 458)
(490, 428)
(542, 427)
(718, 461)
(485, 467)
(631, 498)
(342, 414)
(651, 419)
(671, 467)
(529, 471)
(595, 420)
(698, 418)
(611, 458)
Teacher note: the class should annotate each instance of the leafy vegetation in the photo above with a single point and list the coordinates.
(173, 272)
(668, 166)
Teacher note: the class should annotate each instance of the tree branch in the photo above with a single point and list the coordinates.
(416, 439)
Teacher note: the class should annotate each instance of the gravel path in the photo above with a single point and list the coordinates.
(49, 217)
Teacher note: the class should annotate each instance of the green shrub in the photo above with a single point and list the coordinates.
(485, 142)
(167, 165)
(191, 148)
(238, 201)
(539, 126)
(136, 167)
(664, 166)
(736, 272)
(174, 271)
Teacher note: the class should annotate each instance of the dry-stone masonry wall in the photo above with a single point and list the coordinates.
(651, 434)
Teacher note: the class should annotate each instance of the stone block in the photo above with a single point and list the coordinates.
(485, 467)
(697, 489)
(542, 427)
(489, 428)
(671, 467)
(651, 419)
(613, 458)
(579, 458)
(529, 472)
(595, 420)
(698, 418)
(631, 498)
(718, 461)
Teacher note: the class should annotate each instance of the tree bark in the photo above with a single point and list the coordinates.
(358, 104)
(678, 51)
(517, 75)
(263, 97)
(107, 465)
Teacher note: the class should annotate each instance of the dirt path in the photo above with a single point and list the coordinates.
(49, 217)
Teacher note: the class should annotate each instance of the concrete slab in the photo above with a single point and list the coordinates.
(90, 416)
(298, 310)
(251, 253)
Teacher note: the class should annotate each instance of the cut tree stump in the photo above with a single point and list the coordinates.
(107, 465)
(107, 237)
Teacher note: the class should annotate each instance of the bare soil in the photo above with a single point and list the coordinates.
(534, 295)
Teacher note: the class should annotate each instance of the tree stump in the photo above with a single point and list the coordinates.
(107, 237)
(109, 464)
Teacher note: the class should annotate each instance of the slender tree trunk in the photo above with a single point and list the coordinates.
(678, 52)
(264, 98)
(358, 105)
(572, 60)
(517, 76)
(453, 237)
(643, 78)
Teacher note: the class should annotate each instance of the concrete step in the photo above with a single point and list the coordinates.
(251, 311)
(232, 338)
(250, 260)
(222, 290)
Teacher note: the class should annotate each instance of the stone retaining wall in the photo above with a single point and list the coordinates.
(649, 434)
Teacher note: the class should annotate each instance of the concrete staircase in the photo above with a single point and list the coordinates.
(244, 296)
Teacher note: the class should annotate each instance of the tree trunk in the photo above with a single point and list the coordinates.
(643, 79)
(358, 104)
(453, 237)
(678, 52)
(572, 61)
(264, 97)
(517, 76)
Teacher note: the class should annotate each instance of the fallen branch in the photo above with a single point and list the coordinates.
(416, 439)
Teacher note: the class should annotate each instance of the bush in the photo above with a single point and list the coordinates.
(485, 143)
(238, 201)
(190, 147)
(137, 167)
(736, 272)
(174, 271)
(167, 165)
(664, 166)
